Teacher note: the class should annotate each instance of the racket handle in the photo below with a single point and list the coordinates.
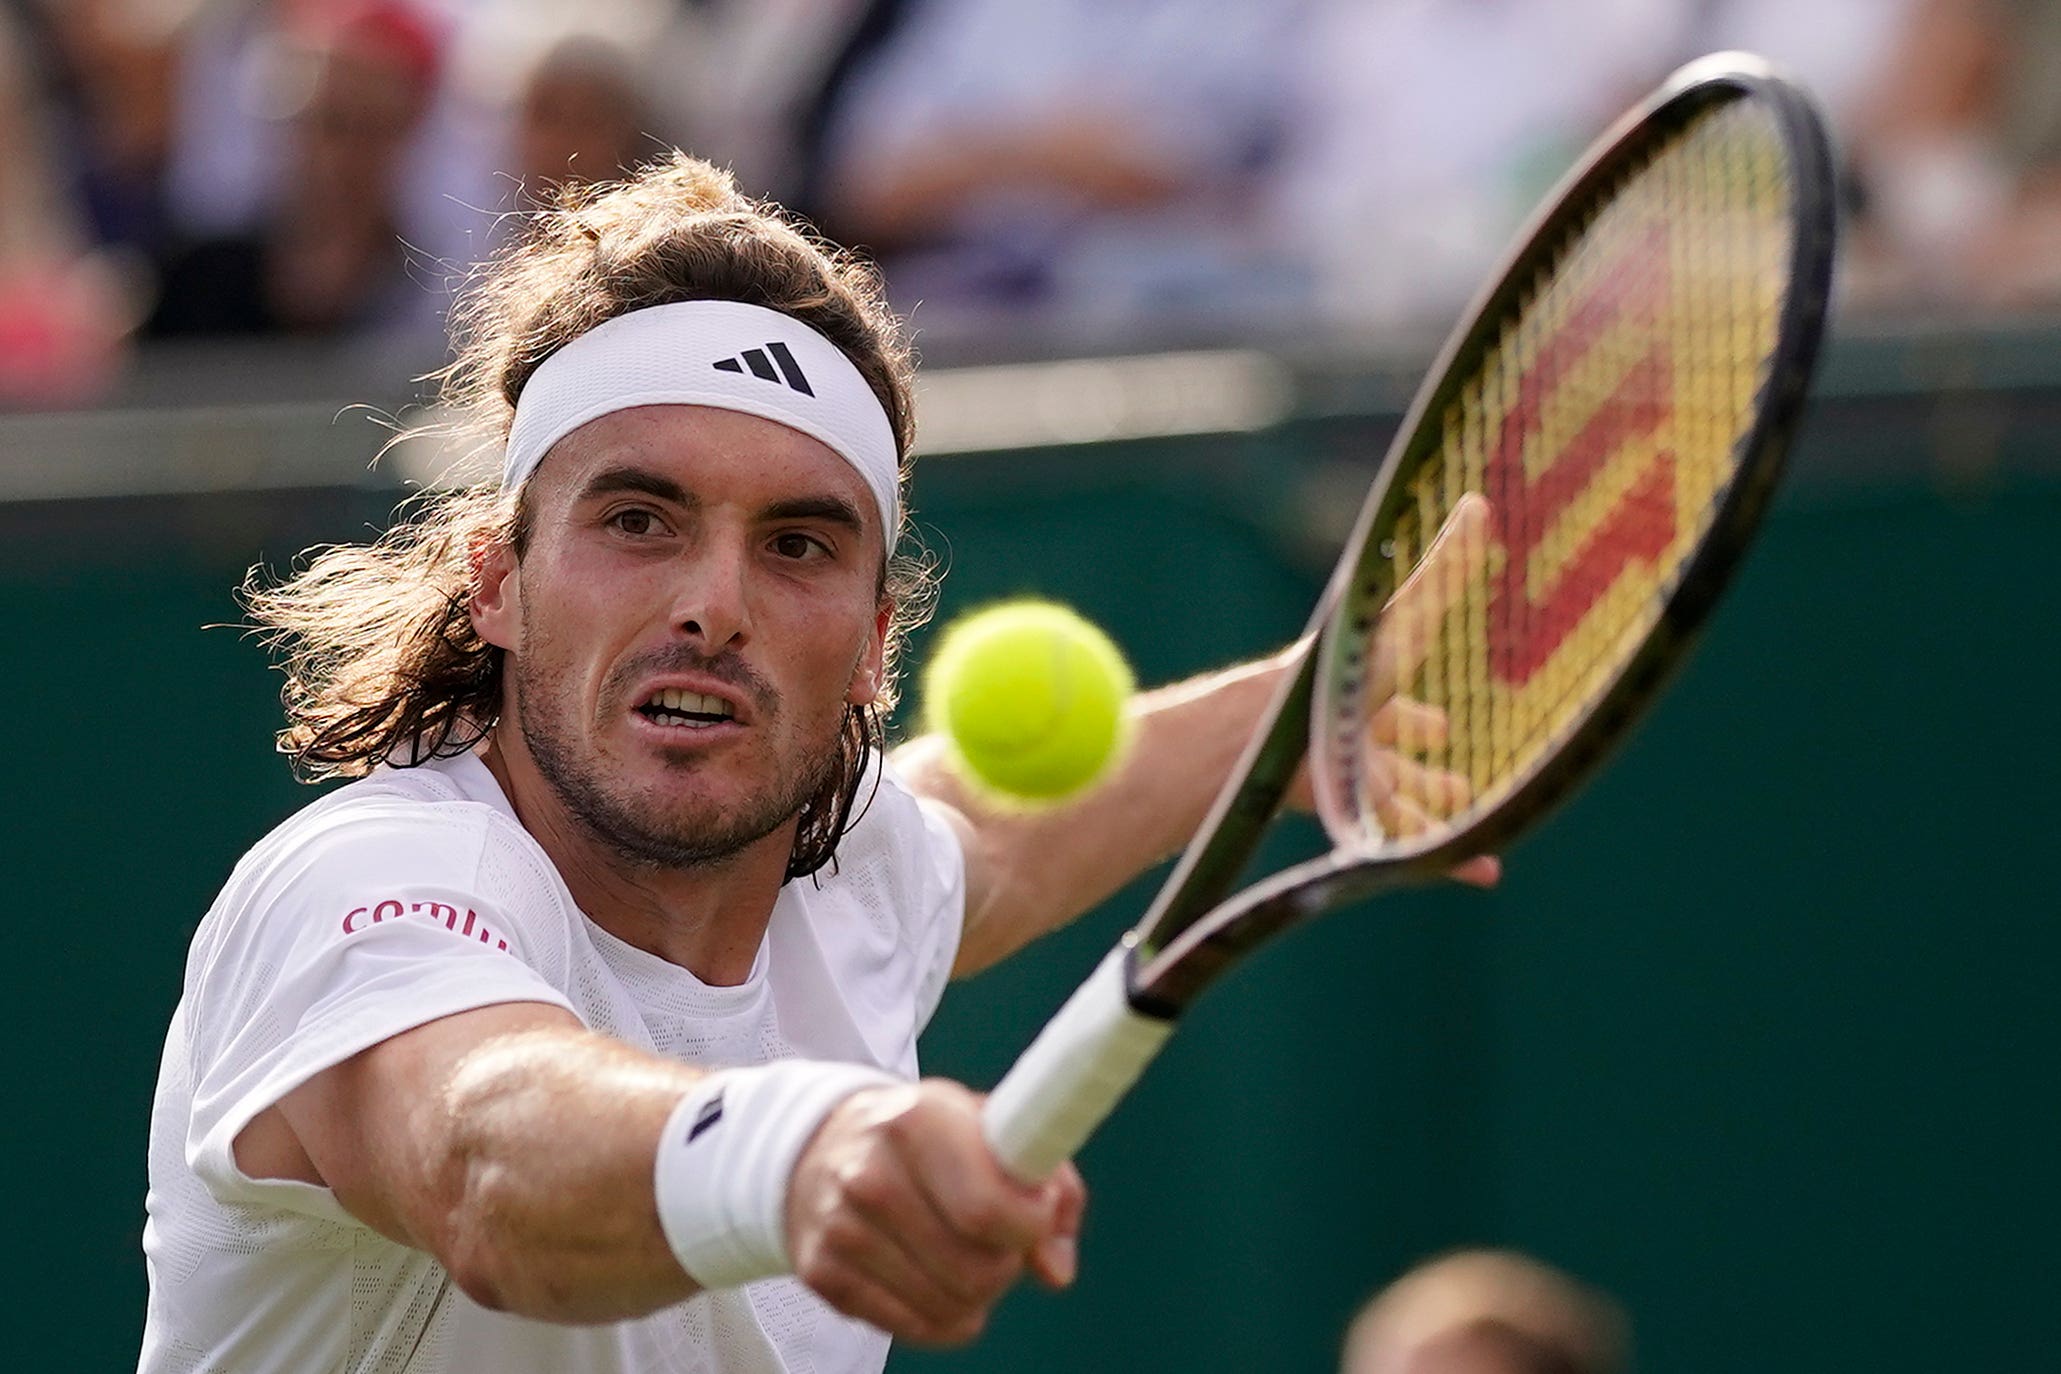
(1072, 1076)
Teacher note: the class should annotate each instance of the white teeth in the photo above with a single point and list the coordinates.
(695, 703)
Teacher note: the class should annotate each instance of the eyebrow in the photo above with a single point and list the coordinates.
(829, 506)
(833, 509)
(611, 480)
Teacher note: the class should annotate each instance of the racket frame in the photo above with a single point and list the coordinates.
(1191, 934)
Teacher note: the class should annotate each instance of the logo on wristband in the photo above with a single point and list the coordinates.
(711, 1112)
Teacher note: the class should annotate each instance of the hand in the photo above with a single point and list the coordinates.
(1412, 796)
(900, 1215)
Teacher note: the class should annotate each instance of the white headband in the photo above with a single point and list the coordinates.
(710, 353)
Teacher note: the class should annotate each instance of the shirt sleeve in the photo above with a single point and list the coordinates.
(938, 914)
(370, 926)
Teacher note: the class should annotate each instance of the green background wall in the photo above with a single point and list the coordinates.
(1758, 1034)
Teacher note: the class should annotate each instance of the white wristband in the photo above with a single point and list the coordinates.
(727, 1156)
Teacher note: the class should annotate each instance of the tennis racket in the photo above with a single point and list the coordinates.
(1563, 504)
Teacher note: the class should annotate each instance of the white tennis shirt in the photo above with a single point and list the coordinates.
(414, 894)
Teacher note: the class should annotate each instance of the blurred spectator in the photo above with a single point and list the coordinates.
(1077, 159)
(1430, 128)
(119, 68)
(744, 83)
(1486, 1312)
(64, 309)
(1158, 167)
(583, 115)
(772, 74)
(1433, 127)
(569, 91)
(1957, 149)
(330, 258)
(232, 100)
(1837, 48)
(244, 75)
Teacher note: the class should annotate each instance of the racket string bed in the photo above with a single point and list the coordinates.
(1602, 427)
(1560, 510)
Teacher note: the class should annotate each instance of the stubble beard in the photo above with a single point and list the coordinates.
(642, 832)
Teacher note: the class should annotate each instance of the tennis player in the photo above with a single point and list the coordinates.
(578, 1031)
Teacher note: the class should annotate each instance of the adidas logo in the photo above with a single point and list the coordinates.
(762, 367)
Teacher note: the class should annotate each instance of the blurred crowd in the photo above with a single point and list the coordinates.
(1058, 170)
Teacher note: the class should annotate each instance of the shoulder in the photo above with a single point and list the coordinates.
(895, 826)
(402, 841)
(889, 912)
(900, 862)
(408, 821)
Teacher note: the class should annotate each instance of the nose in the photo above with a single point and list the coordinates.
(713, 603)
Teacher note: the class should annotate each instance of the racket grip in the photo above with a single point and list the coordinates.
(1072, 1076)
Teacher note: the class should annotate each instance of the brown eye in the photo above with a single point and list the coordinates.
(634, 521)
(796, 546)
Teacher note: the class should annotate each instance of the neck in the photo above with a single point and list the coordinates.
(709, 919)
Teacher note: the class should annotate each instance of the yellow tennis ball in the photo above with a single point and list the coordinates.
(1031, 697)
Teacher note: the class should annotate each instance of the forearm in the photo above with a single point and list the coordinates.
(563, 1176)
(888, 1201)
(545, 1144)
(1031, 872)
(557, 1203)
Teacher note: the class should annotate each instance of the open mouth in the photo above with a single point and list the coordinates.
(690, 710)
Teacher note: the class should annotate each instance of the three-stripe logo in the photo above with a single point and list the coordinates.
(762, 367)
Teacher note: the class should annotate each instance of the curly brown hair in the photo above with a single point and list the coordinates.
(376, 640)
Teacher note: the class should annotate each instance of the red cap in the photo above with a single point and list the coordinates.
(389, 28)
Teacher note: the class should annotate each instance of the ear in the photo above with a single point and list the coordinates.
(866, 678)
(495, 605)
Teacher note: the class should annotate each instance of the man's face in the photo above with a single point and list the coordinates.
(356, 126)
(699, 601)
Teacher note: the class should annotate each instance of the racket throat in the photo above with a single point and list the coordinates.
(1168, 982)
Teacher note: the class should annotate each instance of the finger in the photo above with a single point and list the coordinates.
(1377, 776)
(1457, 553)
(872, 1255)
(1056, 1259)
(1437, 790)
(1408, 725)
(856, 1294)
(859, 1211)
(973, 1195)
(915, 1253)
(1401, 817)
(1407, 624)
(1484, 870)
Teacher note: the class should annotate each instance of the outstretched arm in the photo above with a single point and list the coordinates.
(1028, 873)
(521, 1149)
